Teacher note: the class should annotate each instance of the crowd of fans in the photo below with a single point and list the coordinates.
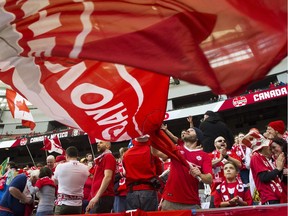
(249, 168)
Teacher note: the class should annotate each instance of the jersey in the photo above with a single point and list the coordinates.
(268, 191)
(226, 191)
(218, 169)
(106, 161)
(182, 187)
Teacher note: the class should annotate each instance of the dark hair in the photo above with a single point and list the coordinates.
(282, 143)
(72, 151)
(88, 154)
(45, 171)
(12, 164)
(233, 164)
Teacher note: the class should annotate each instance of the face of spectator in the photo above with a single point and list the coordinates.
(240, 137)
(50, 163)
(102, 146)
(190, 136)
(236, 139)
(266, 151)
(220, 142)
(270, 133)
(230, 171)
(275, 149)
(89, 157)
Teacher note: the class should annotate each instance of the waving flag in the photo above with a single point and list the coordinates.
(19, 109)
(4, 165)
(53, 145)
(57, 54)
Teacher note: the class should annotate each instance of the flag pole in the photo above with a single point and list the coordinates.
(92, 150)
(30, 155)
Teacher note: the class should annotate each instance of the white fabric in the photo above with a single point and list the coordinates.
(71, 177)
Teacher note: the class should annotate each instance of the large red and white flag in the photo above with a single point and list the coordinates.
(53, 145)
(69, 71)
(19, 109)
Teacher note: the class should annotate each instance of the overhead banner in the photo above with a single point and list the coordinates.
(39, 138)
(255, 97)
(231, 103)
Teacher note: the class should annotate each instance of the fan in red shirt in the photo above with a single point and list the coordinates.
(219, 157)
(266, 174)
(232, 192)
(181, 190)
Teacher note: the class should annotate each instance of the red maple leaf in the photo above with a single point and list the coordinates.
(22, 106)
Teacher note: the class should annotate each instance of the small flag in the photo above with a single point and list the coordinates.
(53, 145)
(19, 109)
(4, 165)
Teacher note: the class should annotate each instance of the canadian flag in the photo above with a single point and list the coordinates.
(19, 109)
(53, 145)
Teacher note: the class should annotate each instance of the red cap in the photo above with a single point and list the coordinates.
(60, 158)
(278, 126)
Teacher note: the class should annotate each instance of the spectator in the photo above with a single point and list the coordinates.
(213, 127)
(279, 146)
(50, 161)
(275, 129)
(243, 152)
(219, 157)
(265, 174)
(181, 190)
(141, 176)
(89, 158)
(232, 192)
(45, 190)
(87, 186)
(102, 191)
(17, 199)
(120, 184)
(70, 177)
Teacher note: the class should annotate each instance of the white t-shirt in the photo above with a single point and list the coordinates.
(71, 177)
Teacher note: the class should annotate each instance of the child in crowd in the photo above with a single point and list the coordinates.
(232, 192)
(47, 190)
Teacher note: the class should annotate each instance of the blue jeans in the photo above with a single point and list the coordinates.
(145, 200)
(44, 213)
(119, 204)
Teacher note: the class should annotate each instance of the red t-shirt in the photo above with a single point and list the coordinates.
(139, 163)
(226, 191)
(218, 169)
(268, 191)
(182, 187)
(107, 162)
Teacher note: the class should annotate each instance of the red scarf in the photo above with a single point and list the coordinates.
(231, 190)
(45, 181)
(275, 184)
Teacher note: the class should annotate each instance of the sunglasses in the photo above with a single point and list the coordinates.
(220, 140)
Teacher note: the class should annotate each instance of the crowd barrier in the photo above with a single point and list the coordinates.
(264, 210)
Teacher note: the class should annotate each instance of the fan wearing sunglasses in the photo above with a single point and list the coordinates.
(219, 157)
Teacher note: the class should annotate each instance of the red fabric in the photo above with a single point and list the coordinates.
(44, 182)
(226, 191)
(139, 163)
(268, 191)
(87, 188)
(222, 44)
(179, 175)
(107, 162)
(236, 149)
